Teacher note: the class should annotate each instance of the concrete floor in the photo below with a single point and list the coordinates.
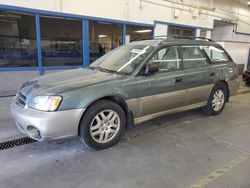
(179, 150)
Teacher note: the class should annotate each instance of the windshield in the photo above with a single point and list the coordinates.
(124, 59)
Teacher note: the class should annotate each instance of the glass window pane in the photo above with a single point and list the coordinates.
(179, 31)
(136, 33)
(124, 59)
(103, 37)
(192, 57)
(215, 54)
(61, 41)
(203, 33)
(17, 40)
(168, 59)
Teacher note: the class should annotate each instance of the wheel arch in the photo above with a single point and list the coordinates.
(118, 99)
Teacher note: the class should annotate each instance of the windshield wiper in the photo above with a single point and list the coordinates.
(105, 70)
(108, 70)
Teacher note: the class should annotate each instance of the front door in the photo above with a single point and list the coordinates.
(163, 90)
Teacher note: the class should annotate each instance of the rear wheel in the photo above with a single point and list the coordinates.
(217, 100)
(102, 125)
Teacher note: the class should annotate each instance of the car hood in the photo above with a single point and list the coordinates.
(64, 81)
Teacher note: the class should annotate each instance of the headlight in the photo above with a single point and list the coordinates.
(45, 103)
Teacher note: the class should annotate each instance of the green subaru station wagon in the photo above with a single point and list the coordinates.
(132, 82)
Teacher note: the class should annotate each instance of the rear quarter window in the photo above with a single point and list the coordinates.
(215, 54)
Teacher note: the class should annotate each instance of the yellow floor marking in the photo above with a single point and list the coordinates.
(218, 172)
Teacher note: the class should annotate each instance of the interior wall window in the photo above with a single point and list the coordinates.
(17, 40)
(168, 59)
(215, 54)
(136, 33)
(103, 37)
(61, 41)
(180, 31)
(203, 33)
(192, 57)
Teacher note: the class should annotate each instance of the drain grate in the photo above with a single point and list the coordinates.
(16, 142)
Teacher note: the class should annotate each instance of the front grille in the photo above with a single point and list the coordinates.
(21, 98)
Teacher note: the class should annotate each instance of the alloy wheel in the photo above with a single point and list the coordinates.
(218, 100)
(105, 126)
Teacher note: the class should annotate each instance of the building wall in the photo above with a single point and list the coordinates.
(223, 32)
(10, 81)
(238, 51)
(242, 37)
(147, 11)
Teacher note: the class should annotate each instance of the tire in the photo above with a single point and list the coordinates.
(217, 100)
(102, 125)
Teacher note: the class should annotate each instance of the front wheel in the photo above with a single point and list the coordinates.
(102, 125)
(217, 100)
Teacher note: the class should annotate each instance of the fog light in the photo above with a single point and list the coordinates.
(34, 133)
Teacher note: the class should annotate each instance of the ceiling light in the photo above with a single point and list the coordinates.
(107, 23)
(248, 2)
(102, 36)
(144, 31)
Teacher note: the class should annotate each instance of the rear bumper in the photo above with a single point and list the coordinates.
(46, 125)
(233, 86)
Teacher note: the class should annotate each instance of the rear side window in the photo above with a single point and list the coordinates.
(215, 54)
(192, 57)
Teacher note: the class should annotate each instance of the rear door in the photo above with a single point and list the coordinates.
(198, 77)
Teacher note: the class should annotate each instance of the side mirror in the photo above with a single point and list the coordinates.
(152, 67)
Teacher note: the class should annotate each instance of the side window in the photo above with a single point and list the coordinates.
(192, 57)
(215, 54)
(168, 59)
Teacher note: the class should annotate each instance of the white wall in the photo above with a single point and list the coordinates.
(197, 13)
(223, 32)
(188, 12)
(51, 5)
(242, 37)
(161, 29)
(238, 51)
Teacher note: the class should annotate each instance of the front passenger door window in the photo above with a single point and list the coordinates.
(168, 59)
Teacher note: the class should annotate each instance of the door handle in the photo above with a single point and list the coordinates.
(179, 79)
(212, 74)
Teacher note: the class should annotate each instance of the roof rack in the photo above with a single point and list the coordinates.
(183, 37)
(166, 37)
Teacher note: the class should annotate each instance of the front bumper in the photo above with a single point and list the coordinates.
(46, 125)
